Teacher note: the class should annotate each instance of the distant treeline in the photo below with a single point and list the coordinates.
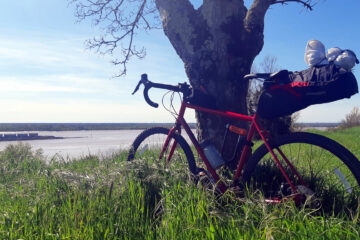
(315, 125)
(12, 127)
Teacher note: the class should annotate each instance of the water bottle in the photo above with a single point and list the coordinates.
(212, 154)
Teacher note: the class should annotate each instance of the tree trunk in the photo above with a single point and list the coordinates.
(217, 43)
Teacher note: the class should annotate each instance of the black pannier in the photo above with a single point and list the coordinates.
(293, 91)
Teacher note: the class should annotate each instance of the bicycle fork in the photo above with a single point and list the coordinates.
(166, 144)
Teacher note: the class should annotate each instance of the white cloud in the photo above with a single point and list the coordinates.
(53, 65)
(329, 112)
(62, 66)
(50, 53)
(82, 111)
(62, 83)
(55, 80)
(31, 87)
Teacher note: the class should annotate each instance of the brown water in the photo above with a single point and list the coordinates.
(81, 143)
(76, 144)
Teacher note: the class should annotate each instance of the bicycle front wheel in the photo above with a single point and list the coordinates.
(150, 142)
(329, 171)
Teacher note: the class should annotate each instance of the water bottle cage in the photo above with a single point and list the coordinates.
(241, 133)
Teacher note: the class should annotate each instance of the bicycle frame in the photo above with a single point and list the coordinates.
(254, 126)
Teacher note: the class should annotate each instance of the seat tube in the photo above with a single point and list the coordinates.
(245, 152)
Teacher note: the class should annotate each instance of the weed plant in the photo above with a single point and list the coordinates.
(110, 198)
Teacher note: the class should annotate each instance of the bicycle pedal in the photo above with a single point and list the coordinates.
(285, 190)
(201, 173)
(305, 191)
(205, 180)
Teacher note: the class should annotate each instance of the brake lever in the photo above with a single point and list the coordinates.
(143, 80)
(137, 87)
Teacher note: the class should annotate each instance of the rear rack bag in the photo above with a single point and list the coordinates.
(298, 90)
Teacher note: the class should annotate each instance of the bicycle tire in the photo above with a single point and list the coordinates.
(337, 178)
(163, 132)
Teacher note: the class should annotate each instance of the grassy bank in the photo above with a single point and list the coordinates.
(349, 137)
(110, 198)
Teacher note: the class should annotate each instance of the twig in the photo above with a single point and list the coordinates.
(307, 4)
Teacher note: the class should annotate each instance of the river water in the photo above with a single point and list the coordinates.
(76, 144)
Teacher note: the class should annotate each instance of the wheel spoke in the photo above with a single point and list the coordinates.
(322, 163)
(343, 180)
(150, 142)
(143, 149)
(325, 164)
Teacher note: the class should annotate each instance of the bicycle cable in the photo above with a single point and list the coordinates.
(171, 108)
(172, 105)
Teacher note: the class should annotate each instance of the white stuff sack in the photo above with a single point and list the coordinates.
(333, 53)
(315, 53)
(346, 60)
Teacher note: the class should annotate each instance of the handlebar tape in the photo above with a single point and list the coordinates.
(147, 99)
(149, 85)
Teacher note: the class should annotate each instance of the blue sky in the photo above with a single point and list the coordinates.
(46, 75)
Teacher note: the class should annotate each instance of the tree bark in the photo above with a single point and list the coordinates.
(217, 43)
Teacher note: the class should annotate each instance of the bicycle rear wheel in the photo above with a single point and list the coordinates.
(150, 142)
(328, 169)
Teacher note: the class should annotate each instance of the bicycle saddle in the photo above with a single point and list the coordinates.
(268, 76)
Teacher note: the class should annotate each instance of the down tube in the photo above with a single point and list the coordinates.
(245, 152)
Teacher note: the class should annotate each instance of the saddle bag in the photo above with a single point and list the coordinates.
(292, 91)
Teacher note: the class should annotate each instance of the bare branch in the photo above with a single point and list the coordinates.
(268, 65)
(254, 20)
(352, 119)
(307, 4)
(120, 20)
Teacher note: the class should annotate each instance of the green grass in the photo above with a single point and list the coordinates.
(319, 168)
(349, 137)
(94, 198)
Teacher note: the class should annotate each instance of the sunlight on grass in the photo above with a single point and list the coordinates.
(110, 198)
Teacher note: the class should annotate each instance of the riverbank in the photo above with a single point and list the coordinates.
(8, 137)
(75, 144)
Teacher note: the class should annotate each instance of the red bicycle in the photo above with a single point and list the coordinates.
(290, 166)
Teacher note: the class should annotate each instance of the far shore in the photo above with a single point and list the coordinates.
(27, 138)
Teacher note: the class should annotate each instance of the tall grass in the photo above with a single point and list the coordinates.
(93, 198)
